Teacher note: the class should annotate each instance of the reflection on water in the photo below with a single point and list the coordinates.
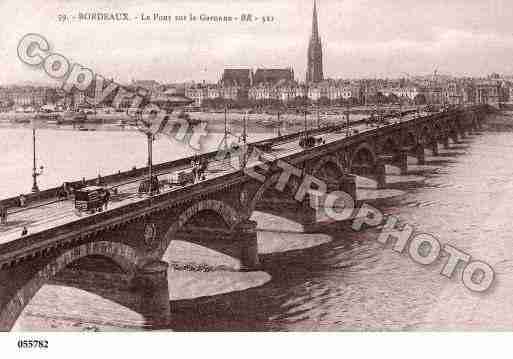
(349, 282)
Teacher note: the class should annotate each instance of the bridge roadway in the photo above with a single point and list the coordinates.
(56, 213)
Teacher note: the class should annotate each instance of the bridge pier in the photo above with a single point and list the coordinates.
(380, 173)
(402, 161)
(434, 148)
(245, 233)
(300, 212)
(309, 212)
(420, 154)
(479, 123)
(152, 284)
(348, 185)
(476, 124)
(445, 142)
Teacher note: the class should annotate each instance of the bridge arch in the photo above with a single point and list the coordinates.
(292, 187)
(363, 161)
(438, 132)
(409, 139)
(475, 121)
(229, 215)
(389, 146)
(453, 130)
(329, 170)
(122, 255)
(328, 162)
(363, 154)
(425, 136)
(220, 209)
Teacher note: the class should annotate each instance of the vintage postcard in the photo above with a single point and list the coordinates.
(251, 166)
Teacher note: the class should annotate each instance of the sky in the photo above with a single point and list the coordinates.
(361, 38)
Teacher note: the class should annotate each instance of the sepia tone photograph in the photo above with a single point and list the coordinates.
(256, 166)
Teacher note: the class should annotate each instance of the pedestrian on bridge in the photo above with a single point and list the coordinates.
(66, 188)
(106, 198)
(23, 200)
(24, 231)
(195, 173)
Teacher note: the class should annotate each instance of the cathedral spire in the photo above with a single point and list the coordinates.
(315, 27)
(314, 72)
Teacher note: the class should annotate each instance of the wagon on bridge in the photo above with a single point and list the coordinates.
(308, 141)
(185, 178)
(90, 199)
(144, 186)
(266, 146)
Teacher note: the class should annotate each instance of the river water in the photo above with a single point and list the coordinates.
(68, 154)
(347, 281)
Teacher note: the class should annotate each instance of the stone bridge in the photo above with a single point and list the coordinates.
(131, 240)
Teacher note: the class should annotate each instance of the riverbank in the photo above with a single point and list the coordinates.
(113, 117)
(123, 122)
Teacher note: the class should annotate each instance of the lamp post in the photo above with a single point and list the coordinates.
(150, 161)
(306, 112)
(318, 115)
(347, 120)
(305, 124)
(147, 130)
(225, 128)
(149, 226)
(279, 125)
(244, 149)
(35, 172)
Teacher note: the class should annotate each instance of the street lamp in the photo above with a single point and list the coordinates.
(35, 172)
(225, 126)
(318, 115)
(306, 112)
(149, 226)
(147, 130)
(150, 138)
(244, 149)
(279, 125)
(347, 120)
(306, 126)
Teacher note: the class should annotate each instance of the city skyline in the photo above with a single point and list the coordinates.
(360, 40)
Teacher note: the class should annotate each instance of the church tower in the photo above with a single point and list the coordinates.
(314, 71)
